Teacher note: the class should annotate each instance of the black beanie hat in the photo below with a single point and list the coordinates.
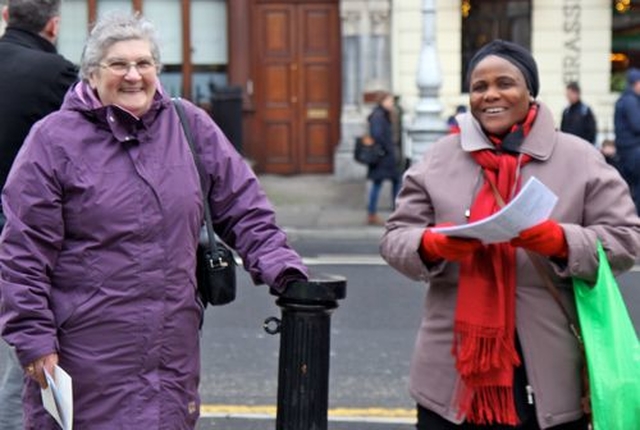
(515, 54)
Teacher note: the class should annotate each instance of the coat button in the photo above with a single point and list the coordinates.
(548, 418)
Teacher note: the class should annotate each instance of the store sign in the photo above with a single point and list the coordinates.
(572, 40)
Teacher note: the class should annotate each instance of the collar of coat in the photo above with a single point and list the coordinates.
(124, 126)
(539, 144)
(28, 39)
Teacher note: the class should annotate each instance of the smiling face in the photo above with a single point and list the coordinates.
(498, 95)
(134, 91)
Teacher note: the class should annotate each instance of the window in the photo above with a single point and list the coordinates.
(625, 41)
(106, 6)
(166, 18)
(194, 76)
(486, 20)
(208, 47)
(73, 29)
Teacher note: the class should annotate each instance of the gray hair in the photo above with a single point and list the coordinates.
(32, 15)
(112, 28)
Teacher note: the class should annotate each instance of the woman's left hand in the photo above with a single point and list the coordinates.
(546, 238)
(36, 369)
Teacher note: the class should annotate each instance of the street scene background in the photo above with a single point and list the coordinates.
(373, 329)
(372, 332)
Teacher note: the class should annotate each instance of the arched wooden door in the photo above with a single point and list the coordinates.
(297, 77)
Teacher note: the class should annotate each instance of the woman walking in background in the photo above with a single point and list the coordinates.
(381, 130)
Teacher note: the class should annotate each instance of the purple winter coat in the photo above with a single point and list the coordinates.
(98, 256)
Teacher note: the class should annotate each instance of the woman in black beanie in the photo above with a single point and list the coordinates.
(494, 350)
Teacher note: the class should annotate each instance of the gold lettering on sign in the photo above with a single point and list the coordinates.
(317, 113)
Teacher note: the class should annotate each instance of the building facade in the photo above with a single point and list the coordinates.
(308, 70)
(283, 56)
(592, 42)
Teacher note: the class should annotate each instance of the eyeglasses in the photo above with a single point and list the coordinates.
(121, 67)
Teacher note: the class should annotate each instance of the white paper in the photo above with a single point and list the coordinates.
(533, 205)
(58, 397)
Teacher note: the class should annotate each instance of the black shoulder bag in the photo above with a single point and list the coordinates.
(367, 151)
(215, 265)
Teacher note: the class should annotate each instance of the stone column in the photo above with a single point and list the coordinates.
(428, 124)
(351, 14)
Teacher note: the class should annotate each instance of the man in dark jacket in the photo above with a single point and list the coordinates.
(33, 77)
(33, 82)
(577, 118)
(627, 127)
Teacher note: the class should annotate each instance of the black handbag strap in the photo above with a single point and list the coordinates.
(208, 221)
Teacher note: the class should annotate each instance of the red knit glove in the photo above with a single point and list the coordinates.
(546, 238)
(437, 246)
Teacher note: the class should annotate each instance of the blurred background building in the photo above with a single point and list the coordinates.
(299, 77)
(593, 42)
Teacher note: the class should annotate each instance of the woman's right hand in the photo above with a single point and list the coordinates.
(436, 246)
(35, 370)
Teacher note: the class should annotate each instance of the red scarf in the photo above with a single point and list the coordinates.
(484, 345)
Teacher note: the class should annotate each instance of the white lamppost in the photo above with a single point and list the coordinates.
(428, 124)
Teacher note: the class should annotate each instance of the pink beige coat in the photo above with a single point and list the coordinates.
(594, 204)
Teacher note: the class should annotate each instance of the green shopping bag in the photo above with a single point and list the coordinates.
(612, 350)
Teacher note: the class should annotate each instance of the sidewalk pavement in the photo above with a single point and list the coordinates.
(322, 206)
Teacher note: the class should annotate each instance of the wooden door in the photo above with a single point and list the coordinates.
(297, 78)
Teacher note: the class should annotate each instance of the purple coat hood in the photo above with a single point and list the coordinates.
(98, 255)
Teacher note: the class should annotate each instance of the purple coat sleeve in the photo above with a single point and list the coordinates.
(30, 244)
(242, 214)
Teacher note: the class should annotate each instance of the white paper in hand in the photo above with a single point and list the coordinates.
(58, 398)
(533, 205)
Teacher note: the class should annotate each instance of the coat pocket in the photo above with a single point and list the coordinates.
(73, 285)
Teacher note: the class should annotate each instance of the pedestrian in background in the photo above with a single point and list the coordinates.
(381, 131)
(104, 209)
(577, 118)
(452, 122)
(627, 129)
(33, 81)
(610, 153)
(397, 117)
(494, 350)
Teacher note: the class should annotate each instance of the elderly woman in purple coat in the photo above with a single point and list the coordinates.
(103, 208)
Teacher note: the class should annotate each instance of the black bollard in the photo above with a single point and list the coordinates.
(305, 342)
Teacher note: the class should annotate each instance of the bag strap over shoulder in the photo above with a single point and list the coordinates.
(208, 220)
(539, 266)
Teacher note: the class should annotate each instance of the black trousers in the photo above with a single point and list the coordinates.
(428, 420)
